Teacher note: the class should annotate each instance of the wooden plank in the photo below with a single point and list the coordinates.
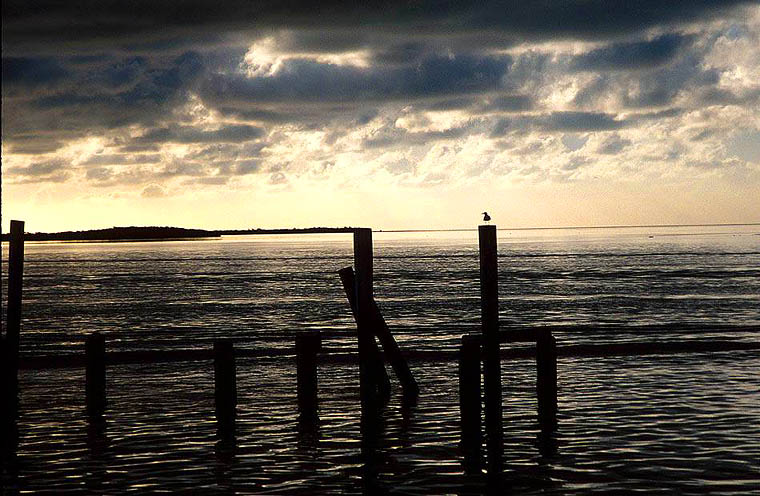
(390, 346)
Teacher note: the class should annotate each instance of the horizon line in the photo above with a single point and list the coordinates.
(325, 229)
(612, 226)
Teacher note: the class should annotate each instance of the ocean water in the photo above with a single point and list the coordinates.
(687, 423)
(258, 290)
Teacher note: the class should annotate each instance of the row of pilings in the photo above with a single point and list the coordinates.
(479, 358)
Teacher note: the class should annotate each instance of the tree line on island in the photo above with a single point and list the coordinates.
(165, 233)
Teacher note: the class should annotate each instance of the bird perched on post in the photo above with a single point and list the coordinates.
(486, 217)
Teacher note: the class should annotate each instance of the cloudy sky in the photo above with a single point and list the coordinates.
(419, 115)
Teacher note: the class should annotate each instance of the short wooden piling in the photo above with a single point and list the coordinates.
(489, 305)
(225, 388)
(95, 374)
(15, 283)
(469, 402)
(308, 344)
(349, 286)
(546, 381)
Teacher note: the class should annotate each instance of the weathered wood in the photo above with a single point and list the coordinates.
(308, 344)
(367, 352)
(469, 402)
(489, 305)
(15, 283)
(349, 286)
(225, 387)
(546, 382)
(390, 346)
(95, 374)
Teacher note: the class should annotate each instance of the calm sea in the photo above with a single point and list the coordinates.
(672, 423)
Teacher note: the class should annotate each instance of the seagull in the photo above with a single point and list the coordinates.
(486, 217)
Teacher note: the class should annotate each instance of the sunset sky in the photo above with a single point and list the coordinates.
(280, 114)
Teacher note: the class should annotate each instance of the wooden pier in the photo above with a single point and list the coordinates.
(480, 357)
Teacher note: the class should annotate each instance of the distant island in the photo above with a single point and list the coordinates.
(152, 233)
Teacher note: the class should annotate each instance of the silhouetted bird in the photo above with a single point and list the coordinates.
(486, 217)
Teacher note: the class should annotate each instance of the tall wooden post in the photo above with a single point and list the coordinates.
(15, 283)
(469, 402)
(489, 305)
(225, 387)
(308, 344)
(95, 374)
(367, 365)
(546, 381)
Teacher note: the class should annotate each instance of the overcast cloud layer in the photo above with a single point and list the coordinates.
(148, 107)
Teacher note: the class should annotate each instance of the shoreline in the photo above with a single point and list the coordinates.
(131, 234)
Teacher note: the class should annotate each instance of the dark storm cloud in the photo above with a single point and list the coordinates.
(720, 96)
(109, 94)
(652, 86)
(188, 134)
(579, 121)
(122, 159)
(44, 171)
(160, 24)
(569, 122)
(310, 81)
(391, 136)
(138, 75)
(636, 55)
(31, 72)
(33, 144)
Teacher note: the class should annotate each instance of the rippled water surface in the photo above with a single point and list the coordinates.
(685, 423)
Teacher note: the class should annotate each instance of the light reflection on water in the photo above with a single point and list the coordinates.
(671, 423)
(676, 424)
(258, 290)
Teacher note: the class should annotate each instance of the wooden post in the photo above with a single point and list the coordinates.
(349, 286)
(367, 362)
(225, 388)
(469, 402)
(308, 344)
(546, 381)
(95, 374)
(15, 283)
(489, 305)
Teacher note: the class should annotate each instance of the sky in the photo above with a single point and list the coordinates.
(393, 116)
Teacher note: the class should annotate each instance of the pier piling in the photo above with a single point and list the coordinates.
(364, 290)
(546, 381)
(225, 387)
(95, 375)
(308, 344)
(13, 320)
(349, 286)
(489, 305)
(469, 402)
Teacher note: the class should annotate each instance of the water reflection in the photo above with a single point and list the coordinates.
(620, 429)
(98, 455)
(225, 450)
